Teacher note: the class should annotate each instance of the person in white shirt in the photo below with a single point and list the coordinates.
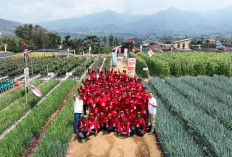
(78, 110)
(152, 112)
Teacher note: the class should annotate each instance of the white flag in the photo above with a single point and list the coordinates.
(141, 48)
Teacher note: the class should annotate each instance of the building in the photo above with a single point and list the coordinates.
(183, 44)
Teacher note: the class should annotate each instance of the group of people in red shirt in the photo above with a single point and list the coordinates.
(115, 102)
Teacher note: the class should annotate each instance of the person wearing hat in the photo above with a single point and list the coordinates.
(152, 104)
(138, 126)
(102, 121)
(92, 124)
(84, 98)
(83, 129)
(112, 122)
(123, 126)
(78, 110)
(102, 102)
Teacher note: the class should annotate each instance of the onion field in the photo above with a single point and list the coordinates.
(193, 116)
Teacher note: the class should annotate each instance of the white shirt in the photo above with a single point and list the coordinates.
(152, 109)
(78, 105)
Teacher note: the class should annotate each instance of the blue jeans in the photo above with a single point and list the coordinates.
(76, 118)
(110, 128)
(81, 136)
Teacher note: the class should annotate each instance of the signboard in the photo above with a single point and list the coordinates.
(26, 77)
(145, 69)
(141, 48)
(125, 53)
(114, 59)
(131, 67)
(5, 45)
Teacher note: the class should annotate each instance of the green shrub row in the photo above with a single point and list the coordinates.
(189, 63)
(15, 143)
(140, 64)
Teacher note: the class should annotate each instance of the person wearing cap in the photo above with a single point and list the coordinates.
(123, 126)
(92, 124)
(78, 110)
(130, 117)
(152, 104)
(83, 129)
(112, 122)
(138, 126)
(102, 102)
(102, 121)
(96, 115)
(92, 74)
(84, 98)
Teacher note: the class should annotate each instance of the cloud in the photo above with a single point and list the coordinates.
(46, 10)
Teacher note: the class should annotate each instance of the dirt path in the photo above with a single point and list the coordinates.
(109, 145)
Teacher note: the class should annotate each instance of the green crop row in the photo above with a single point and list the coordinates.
(81, 69)
(98, 64)
(106, 64)
(209, 131)
(140, 64)
(10, 114)
(176, 141)
(214, 108)
(13, 95)
(57, 137)
(220, 82)
(189, 63)
(15, 143)
(214, 92)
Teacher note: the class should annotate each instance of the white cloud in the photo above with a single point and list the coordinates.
(46, 10)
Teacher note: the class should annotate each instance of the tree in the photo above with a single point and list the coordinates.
(94, 42)
(116, 42)
(54, 40)
(111, 40)
(104, 40)
(66, 43)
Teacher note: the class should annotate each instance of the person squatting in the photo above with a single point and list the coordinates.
(115, 103)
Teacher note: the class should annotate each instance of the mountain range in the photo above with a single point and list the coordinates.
(8, 26)
(171, 20)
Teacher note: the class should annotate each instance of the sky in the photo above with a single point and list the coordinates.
(32, 11)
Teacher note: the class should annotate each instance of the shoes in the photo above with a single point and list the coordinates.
(115, 133)
(150, 133)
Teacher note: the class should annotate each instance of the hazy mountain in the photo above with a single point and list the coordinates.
(172, 19)
(7, 26)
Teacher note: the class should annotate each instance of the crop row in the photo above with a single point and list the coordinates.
(215, 93)
(57, 137)
(219, 82)
(176, 141)
(209, 131)
(140, 64)
(98, 64)
(10, 114)
(189, 63)
(15, 143)
(14, 66)
(81, 69)
(13, 95)
(106, 64)
(214, 108)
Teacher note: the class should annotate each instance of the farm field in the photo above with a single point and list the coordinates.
(193, 115)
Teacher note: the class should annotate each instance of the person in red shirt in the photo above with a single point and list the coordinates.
(123, 126)
(102, 121)
(112, 122)
(138, 126)
(92, 74)
(110, 111)
(92, 124)
(84, 98)
(129, 116)
(96, 115)
(83, 129)
(102, 103)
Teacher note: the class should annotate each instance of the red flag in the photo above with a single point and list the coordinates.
(24, 44)
(131, 41)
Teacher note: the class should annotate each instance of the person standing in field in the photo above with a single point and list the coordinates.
(152, 112)
(78, 110)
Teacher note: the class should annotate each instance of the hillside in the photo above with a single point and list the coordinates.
(7, 26)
